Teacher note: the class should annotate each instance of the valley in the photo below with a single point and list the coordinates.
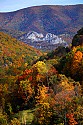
(41, 66)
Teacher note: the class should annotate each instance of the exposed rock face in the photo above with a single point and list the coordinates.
(44, 42)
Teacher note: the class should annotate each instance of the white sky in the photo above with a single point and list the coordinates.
(12, 5)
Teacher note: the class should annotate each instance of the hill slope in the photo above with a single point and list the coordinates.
(47, 18)
(15, 56)
(46, 92)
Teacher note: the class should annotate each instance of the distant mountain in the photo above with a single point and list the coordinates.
(54, 19)
(12, 32)
(48, 18)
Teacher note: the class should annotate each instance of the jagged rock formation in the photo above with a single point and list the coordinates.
(44, 42)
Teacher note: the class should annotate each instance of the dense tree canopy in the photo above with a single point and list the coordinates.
(40, 91)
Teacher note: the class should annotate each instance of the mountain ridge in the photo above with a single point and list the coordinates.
(53, 19)
(44, 18)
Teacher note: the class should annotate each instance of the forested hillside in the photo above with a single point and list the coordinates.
(53, 19)
(48, 91)
(15, 56)
(63, 21)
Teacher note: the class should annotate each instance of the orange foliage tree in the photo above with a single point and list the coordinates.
(71, 120)
(76, 62)
(43, 113)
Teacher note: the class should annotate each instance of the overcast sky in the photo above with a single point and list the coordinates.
(12, 5)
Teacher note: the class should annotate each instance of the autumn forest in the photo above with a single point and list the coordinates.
(41, 88)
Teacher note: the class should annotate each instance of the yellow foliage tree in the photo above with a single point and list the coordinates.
(41, 67)
(15, 121)
(43, 112)
(76, 61)
(25, 90)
